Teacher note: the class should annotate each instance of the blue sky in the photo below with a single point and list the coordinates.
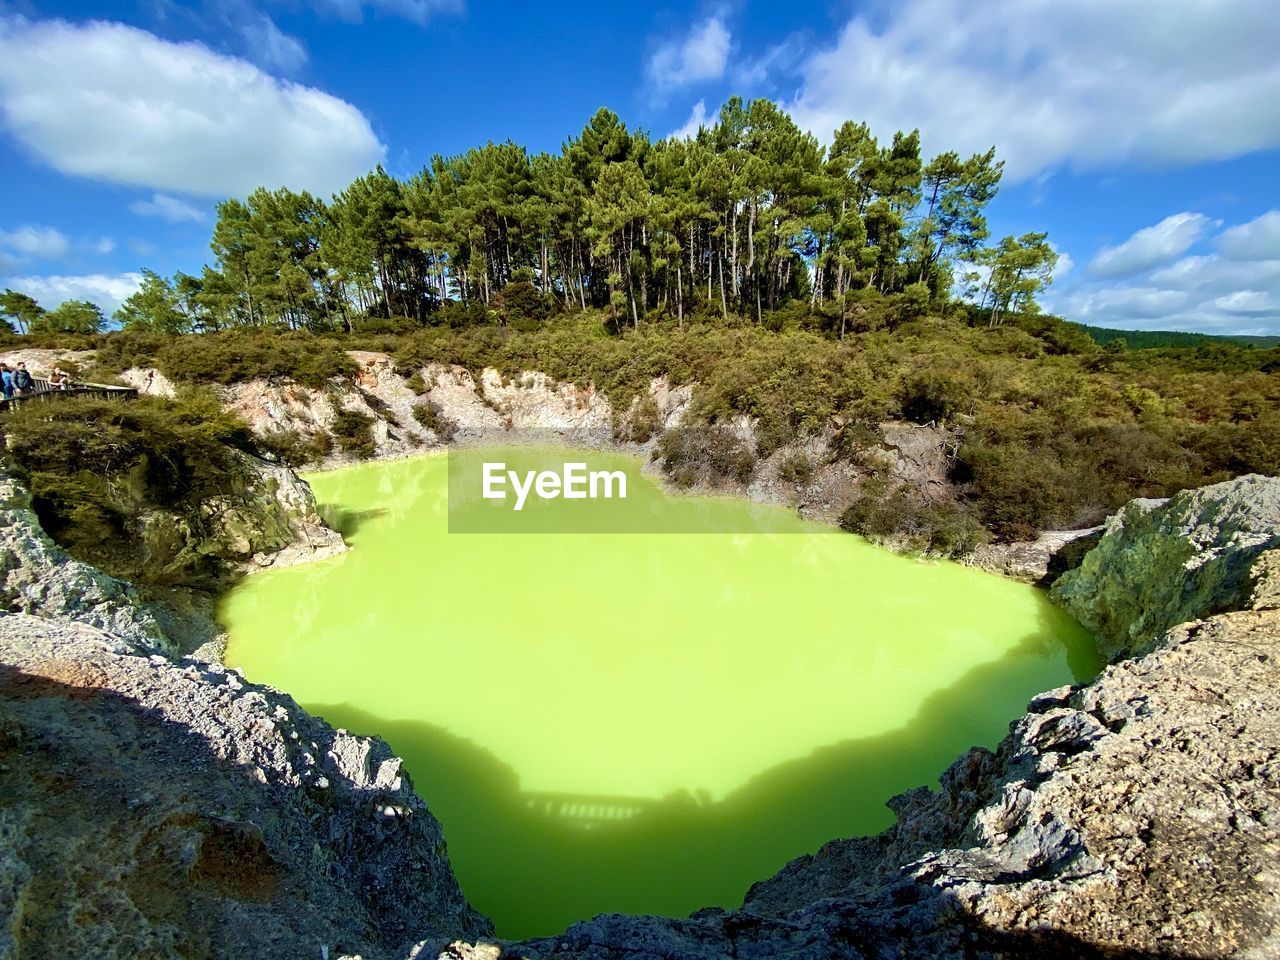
(1144, 136)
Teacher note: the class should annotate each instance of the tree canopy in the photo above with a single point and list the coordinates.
(749, 215)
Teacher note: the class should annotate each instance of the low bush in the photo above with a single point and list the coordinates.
(296, 449)
(430, 415)
(796, 468)
(232, 356)
(884, 510)
(353, 432)
(704, 452)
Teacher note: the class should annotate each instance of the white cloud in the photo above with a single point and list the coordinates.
(1088, 84)
(1151, 246)
(107, 290)
(701, 56)
(1256, 240)
(41, 243)
(103, 245)
(1064, 265)
(1234, 289)
(697, 120)
(417, 11)
(269, 46)
(1248, 301)
(167, 208)
(115, 103)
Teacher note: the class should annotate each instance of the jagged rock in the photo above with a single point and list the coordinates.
(1161, 563)
(171, 809)
(1042, 560)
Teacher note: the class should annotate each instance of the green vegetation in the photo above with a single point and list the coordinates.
(232, 356)
(1147, 339)
(98, 469)
(749, 216)
(353, 431)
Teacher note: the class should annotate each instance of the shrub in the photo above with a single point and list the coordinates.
(94, 467)
(429, 414)
(641, 422)
(523, 305)
(353, 432)
(796, 468)
(296, 449)
(693, 452)
(883, 510)
(230, 357)
(416, 383)
(932, 396)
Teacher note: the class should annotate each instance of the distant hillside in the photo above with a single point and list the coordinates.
(1147, 339)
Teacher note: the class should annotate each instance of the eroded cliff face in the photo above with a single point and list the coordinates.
(493, 408)
(1164, 562)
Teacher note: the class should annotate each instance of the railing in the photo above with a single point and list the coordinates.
(43, 390)
(587, 810)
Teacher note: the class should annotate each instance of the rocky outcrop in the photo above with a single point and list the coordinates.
(1162, 563)
(1042, 560)
(271, 520)
(170, 809)
(38, 577)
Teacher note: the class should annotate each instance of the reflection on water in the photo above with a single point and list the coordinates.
(641, 723)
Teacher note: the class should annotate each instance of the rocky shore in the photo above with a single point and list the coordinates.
(161, 806)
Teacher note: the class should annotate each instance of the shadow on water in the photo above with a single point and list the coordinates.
(537, 862)
(349, 522)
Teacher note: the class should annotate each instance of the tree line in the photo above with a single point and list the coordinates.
(747, 216)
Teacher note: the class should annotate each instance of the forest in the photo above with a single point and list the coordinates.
(749, 216)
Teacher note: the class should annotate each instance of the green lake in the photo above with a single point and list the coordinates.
(639, 722)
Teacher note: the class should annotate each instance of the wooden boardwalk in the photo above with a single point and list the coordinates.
(44, 392)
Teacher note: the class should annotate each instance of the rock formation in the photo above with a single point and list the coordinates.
(1161, 563)
(163, 807)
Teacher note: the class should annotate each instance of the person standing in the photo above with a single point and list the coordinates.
(22, 382)
(6, 381)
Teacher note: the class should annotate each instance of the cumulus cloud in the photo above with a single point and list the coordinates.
(41, 243)
(167, 208)
(1256, 240)
(700, 56)
(1088, 84)
(115, 103)
(1233, 288)
(1151, 246)
(107, 290)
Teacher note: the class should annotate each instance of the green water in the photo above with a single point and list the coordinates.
(642, 722)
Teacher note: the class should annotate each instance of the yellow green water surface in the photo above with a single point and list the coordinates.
(641, 722)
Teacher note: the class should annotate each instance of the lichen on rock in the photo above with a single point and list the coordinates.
(1161, 563)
